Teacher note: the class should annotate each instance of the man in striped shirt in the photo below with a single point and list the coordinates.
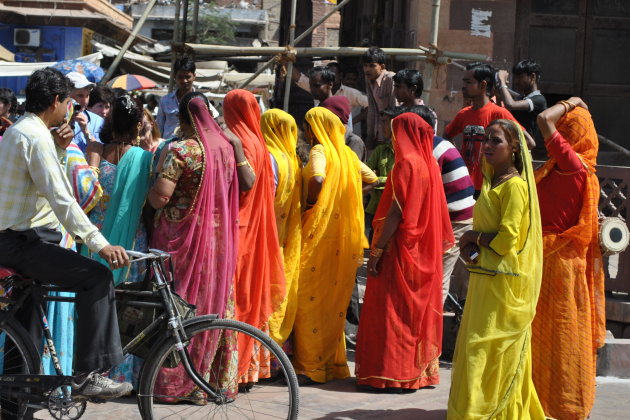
(458, 189)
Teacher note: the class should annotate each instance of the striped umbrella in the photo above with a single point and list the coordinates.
(131, 82)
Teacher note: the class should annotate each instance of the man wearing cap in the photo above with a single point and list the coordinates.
(87, 125)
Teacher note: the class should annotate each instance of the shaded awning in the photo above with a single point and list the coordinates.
(6, 55)
(25, 69)
(99, 23)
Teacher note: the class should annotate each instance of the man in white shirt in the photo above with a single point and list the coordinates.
(34, 200)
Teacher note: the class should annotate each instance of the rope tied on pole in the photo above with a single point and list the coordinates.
(289, 55)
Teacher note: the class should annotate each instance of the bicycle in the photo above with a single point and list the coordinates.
(24, 390)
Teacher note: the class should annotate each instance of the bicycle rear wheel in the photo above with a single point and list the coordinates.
(270, 398)
(18, 356)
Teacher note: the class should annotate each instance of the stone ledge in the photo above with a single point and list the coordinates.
(614, 358)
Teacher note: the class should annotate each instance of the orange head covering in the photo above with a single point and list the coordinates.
(578, 129)
(259, 286)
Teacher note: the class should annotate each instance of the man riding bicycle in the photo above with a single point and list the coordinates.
(35, 197)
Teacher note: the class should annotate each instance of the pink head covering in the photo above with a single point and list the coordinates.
(203, 244)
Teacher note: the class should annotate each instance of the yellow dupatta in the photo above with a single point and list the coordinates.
(492, 373)
(280, 133)
(332, 249)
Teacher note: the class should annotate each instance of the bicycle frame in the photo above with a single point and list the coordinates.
(163, 300)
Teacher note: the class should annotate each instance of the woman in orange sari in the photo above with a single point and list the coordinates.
(570, 322)
(400, 331)
(259, 282)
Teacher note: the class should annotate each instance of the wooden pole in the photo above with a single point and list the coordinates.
(129, 40)
(171, 79)
(287, 79)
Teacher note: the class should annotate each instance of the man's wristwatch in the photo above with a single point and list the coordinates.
(89, 136)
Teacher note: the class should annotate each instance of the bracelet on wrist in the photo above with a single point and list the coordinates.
(376, 252)
(243, 163)
(479, 239)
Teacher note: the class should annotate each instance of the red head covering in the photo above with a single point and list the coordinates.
(417, 181)
(338, 105)
(411, 268)
(259, 283)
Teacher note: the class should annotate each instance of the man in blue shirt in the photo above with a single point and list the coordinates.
(87, 125)
(168, 114)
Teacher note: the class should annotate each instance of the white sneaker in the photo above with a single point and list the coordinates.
(99, 386)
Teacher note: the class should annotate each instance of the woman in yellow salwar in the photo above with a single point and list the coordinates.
(332, 247)
(492, 372)
(280, 133)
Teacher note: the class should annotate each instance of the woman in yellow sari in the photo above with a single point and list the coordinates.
(280, 133)
(492, 372)
(332, 247)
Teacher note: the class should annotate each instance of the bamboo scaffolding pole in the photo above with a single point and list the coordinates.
(614, 145)
(224, 50)
(287, 80)
(297, 41)
(429, 68)
(171, 79)
(129, 40)
(195, 20)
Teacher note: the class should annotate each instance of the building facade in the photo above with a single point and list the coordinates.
(580, 45)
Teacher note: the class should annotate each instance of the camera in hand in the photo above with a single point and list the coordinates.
(75, 110)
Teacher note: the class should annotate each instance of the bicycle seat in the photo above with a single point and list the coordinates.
(7, 273)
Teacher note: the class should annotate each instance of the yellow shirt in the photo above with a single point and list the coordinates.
(316, 166)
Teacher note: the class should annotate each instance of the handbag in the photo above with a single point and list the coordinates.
(132, 319)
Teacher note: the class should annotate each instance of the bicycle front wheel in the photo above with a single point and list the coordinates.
(18, 356)
(166, 390)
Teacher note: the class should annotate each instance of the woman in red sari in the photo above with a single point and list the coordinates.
(400, 330)
(196, 193)
(259, 282)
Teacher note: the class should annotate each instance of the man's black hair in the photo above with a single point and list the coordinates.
(184, 116)
(101, 94)
(326, 74)
(186, 64)
(6, 96)
(43, 86)
(424, 112)
(374, 55)
(394, 111)
(337, 66)
(481, 72)
(528, 67)
(411, 78)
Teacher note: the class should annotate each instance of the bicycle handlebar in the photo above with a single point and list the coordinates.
(153, 254)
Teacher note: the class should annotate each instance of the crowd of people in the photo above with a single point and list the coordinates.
(264, 234)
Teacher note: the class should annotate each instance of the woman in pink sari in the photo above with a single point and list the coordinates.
(196, 194)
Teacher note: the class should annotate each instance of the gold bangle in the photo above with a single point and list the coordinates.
(376, 252)
(243, 163)
(564, 105)
(96, 170)
(479, 238)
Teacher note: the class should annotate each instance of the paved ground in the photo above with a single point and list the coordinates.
(340, 400)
